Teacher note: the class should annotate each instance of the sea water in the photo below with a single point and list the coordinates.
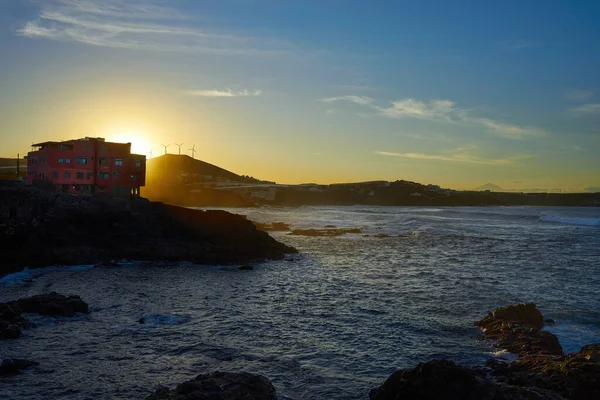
(331, 322)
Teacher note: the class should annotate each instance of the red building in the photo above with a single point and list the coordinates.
(88, 165)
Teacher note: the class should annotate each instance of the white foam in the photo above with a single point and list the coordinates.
(28, 275)
(505, 355)
(571, 220)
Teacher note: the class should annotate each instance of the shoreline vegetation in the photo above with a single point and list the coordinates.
(40, 228)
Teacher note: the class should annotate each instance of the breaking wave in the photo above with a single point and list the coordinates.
(571, 220)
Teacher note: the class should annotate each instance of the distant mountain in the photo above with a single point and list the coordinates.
(491, 187)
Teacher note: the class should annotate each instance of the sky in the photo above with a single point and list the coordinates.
(455, 93)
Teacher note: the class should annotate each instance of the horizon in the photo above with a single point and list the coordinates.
(457, 95)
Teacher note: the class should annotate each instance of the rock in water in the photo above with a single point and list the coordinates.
(11, 322)
(51, 304)
(518, 329)
(12, 366)
(220, 386)
(444, 380)
(246, 268)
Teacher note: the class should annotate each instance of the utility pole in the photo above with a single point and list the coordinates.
(193, 150)
(165, 146)
(179, 145)
(18, 167)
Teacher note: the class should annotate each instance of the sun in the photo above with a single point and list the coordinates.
(140, 143)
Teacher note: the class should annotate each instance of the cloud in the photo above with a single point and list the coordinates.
(435, 109)
(445, 111)
(580, 95)
(137, 24)
(510, 131)
(459, 157)
(360, 100)
(222, 93)
(586, 109)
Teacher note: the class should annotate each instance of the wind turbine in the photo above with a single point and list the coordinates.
(150, 152)
(179, 145)
(193, 150)
(165, 146)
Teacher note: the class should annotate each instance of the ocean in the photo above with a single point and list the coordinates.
(331, 322)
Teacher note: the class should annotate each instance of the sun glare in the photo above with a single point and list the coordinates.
(139, 141)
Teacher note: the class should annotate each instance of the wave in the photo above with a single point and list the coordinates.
(163, 319)
(571, 220)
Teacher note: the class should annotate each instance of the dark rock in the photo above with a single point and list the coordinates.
(11, 366)
(325, 232)
(549, 321)
(517, 328)
(53, 228)
(220, 386)
(246, 268)
(11, 321)
(442, 379)
(51, 304)
(272, 227)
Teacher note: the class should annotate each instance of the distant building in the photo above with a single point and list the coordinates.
(88, 165)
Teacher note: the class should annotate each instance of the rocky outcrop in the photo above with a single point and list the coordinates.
(442, 379)
(518, 329)
(14, 366)
(324, 232)
(541, 361)
(40, 228)
(51, 304)
(272, 227)
(541, 371)
(11, 321)
(220, 386)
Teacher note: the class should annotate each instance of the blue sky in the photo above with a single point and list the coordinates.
(454, 93)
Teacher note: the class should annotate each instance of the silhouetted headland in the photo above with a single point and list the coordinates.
(182, 180)
(42, 227)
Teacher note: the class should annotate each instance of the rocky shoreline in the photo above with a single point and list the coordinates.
(39, 228)
(541, 372)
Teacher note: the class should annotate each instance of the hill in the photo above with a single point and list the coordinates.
(491, 187)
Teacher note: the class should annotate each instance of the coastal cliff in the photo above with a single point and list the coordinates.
(40, 228)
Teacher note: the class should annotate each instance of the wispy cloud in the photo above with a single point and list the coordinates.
(137, 24)
(580, 95)
(459, 156)
(435, 109)
(445, 111)
(586, 109)
(222, 93)
(360, 100)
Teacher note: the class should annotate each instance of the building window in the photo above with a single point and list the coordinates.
(81, 160)
(116, 174)
(61, 160)
(88, 147)
(104, 148)
(119, 162)
(80, 175)
(62, 146)
(103, 161)
(88, 175)
(67, 161)
(138, 163)
(133, 177)
(55, 174)
(67, 174)
(104, 176)
(85, 188)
